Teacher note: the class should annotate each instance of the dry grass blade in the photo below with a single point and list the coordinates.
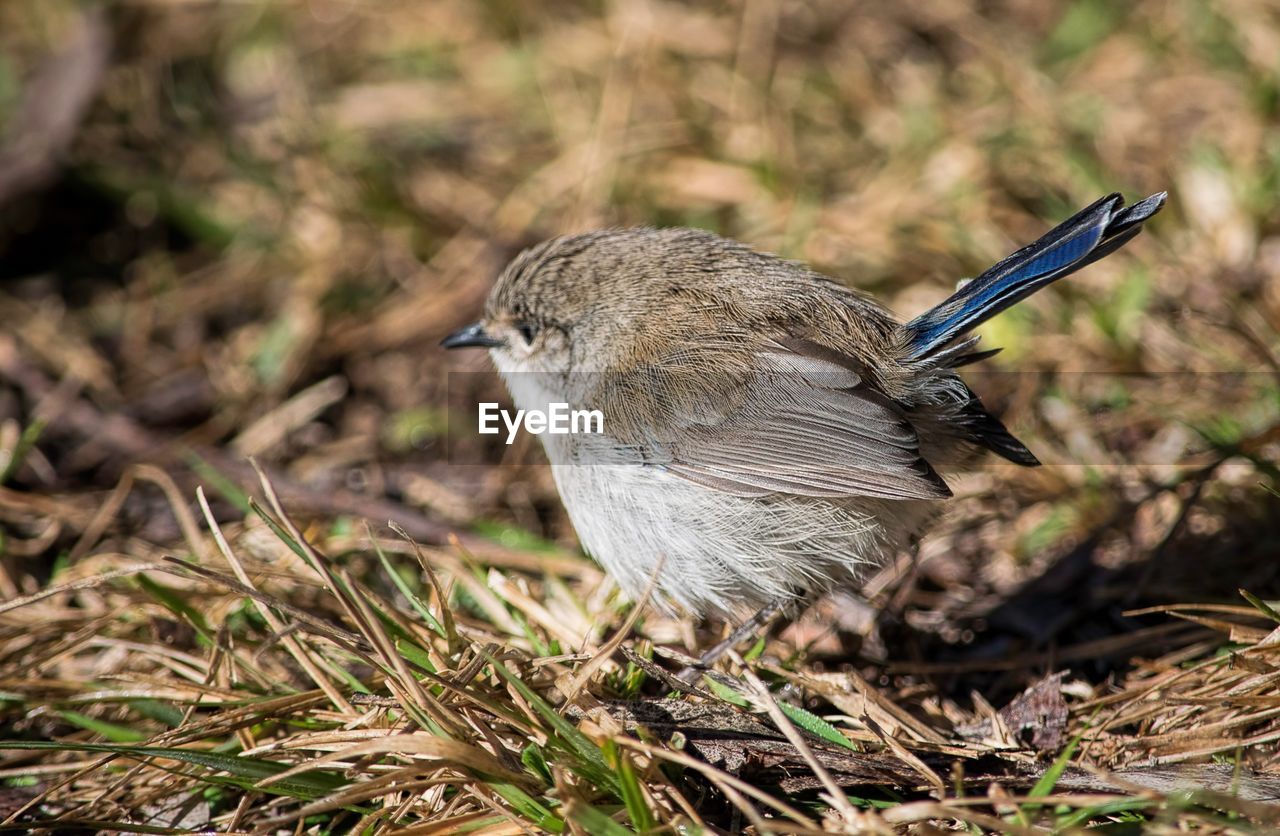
(182, 568)
(72, 586)
(441, 594)
(291, 642)
(906, 756)
(410, 692)
(761, 695)
(243, 228)
(459, 755)
(918, 811)
(584, 673)
(724, 780)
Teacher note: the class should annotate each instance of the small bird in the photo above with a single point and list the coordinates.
(769, 434)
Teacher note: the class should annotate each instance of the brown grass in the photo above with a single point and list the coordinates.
(240, 229)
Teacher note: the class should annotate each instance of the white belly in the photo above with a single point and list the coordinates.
(721, 552)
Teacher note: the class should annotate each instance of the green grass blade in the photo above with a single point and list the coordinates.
(591, 760)
(529, 807)
(536, 762)
(815, 725)
(64, 824)
(725, 693)
(245, 771)
(633, 797)
(1261, 605)
(111, 731)
(173, 602)
(26, 441)
(1083, 816)
(417, 603)
(595, 821)
(414, 655)
(222, 485)
(283, 535)
(1050, 778)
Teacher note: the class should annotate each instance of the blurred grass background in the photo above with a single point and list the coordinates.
(241, 228)
(249, 224)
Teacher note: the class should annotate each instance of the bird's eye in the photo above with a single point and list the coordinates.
(527, 331)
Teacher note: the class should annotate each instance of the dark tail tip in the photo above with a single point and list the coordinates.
(1139, 212)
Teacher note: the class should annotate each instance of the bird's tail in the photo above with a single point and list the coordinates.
(1089, 235)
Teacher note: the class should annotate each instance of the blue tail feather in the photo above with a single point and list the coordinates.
(1094, 232)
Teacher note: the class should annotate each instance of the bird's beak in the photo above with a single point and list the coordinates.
(472, 336)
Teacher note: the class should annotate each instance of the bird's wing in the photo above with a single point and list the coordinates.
(802, 421)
